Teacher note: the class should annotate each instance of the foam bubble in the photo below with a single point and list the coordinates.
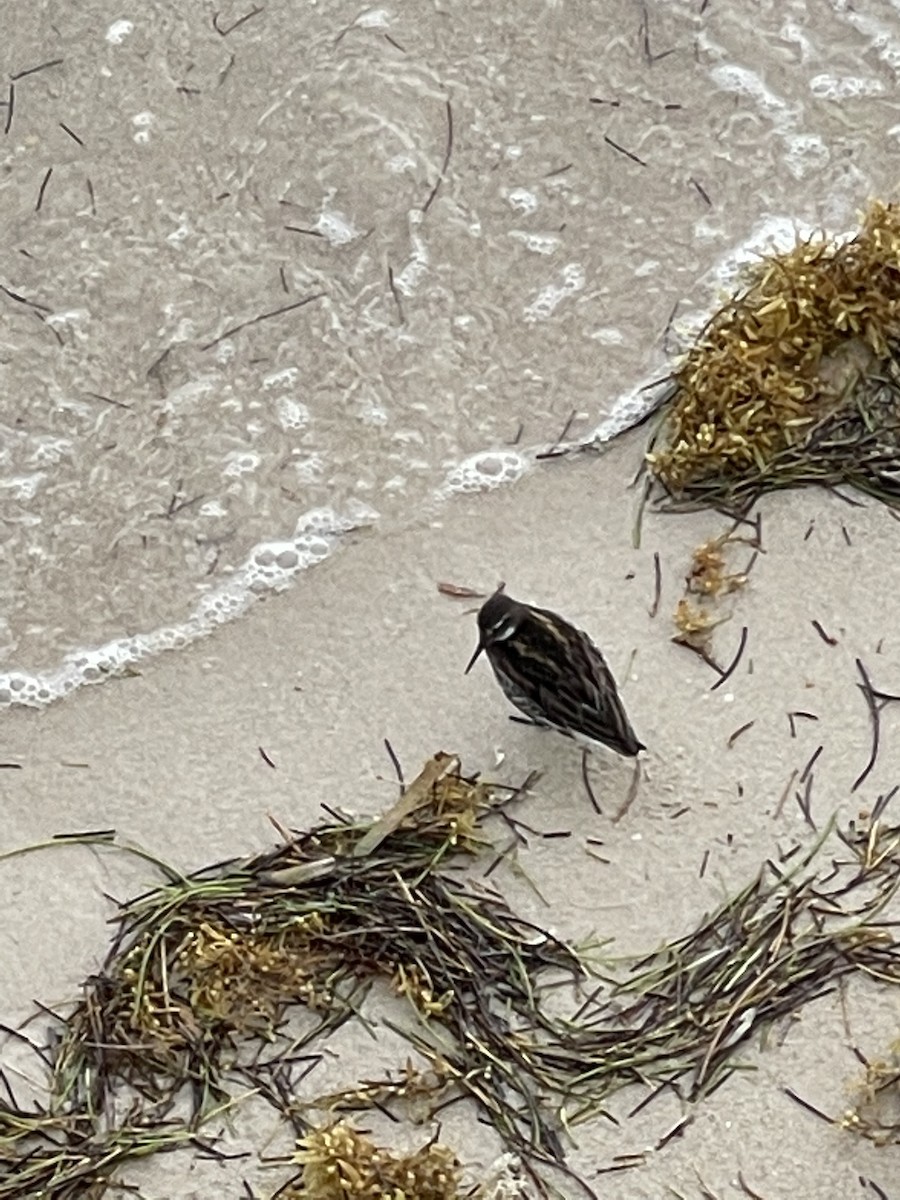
(375, 18)
(548, 298)
(292, 414)
(794, 33)
(408, 437)
(706, 230)
(309, 469)
(522, 200)
(539, 243)
(372, 413)
(118, 32)
(48, 450)
(407, 280)
(241, 462)
(143, 121)
(336, 227)
(23, 487)
(607, 335)
(270, 566)
(880, 37)
(400, 163)
(627, 410)
(183, 399)
(744, 82)
(284, 378)
(184, 331)
(69, 316)
(484, 471)
(844, 87)
(805, 154)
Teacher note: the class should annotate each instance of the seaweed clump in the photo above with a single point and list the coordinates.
(338, 1162)
(708, 579)
(875, 1114)
(341, 1163)
(795, 381)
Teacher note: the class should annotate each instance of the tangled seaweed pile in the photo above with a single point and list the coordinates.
(202, 971)
(216, 958)
(795, 381)
(784, 940)
(340, 1163)
(875, 1114)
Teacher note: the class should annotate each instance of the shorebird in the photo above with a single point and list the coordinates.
(553, 673)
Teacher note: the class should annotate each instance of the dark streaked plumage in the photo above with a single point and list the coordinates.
(553, 673)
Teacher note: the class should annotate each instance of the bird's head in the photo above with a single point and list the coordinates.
(498, 620)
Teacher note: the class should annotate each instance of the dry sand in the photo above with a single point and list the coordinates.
(171, 759)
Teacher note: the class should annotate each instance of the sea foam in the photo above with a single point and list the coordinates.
(270, 567)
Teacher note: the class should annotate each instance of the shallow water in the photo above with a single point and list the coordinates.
(499, 217)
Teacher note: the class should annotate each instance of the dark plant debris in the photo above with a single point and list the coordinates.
(794, 381)
(191, 1001)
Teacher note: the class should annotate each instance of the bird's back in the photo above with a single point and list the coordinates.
(555, 674)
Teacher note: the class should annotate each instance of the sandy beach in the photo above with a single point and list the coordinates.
(189, 754)
(172, 760)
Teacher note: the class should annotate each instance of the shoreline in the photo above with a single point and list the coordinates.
(274, 564)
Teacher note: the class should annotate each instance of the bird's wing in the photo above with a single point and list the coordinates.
(588, 701)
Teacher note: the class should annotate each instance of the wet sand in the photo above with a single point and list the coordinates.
(162, 428)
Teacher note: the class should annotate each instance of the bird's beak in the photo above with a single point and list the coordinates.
(472, 660)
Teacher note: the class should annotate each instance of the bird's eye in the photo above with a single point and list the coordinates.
(504, 629)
